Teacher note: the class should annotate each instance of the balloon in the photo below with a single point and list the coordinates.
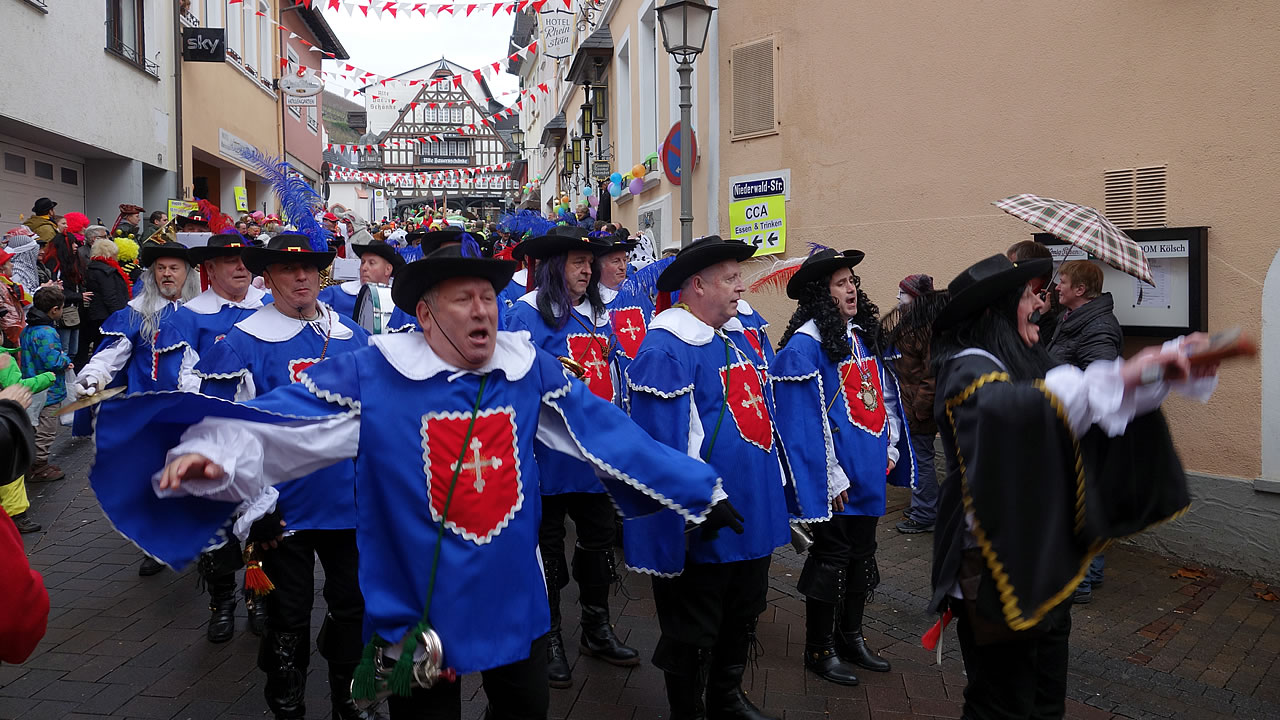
(615, 189)
(564, 199)
(616, 178)
(639, 171)
(637, 186)
(587, 191)
(593, 213)
(594, 200)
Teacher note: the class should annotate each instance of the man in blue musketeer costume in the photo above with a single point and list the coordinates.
(126, 356)
(566, 317)
(270, 349)
(189, 331)
(446, 484)
(843, 427)
(698, 386)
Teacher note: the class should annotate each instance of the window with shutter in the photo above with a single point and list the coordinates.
(1137, 197)
(753, 71)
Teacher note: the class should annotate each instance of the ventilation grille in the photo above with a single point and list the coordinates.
(753, 76)
(1138, 197)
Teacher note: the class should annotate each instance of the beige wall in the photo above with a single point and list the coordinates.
(901, 123)
(625, 26)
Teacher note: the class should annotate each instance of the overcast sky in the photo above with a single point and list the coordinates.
(390, 46)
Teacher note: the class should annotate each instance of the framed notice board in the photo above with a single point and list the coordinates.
(1177, 304)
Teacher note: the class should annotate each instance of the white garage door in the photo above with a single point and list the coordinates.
(27, 173)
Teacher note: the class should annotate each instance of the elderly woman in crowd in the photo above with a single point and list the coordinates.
(110, 285)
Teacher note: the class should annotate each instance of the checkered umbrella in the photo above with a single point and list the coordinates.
(1083, 227)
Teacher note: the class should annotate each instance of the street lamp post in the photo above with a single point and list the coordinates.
(684, 33)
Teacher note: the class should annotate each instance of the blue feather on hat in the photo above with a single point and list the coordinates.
(643, 283)
(297, 198)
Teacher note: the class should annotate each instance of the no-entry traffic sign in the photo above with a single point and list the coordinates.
(671, 153)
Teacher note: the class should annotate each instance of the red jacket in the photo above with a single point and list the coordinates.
(24, 604)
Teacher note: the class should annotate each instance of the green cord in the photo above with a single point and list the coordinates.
(728, 365)
(401, 681)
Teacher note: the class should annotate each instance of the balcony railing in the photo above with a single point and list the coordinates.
(131, 56)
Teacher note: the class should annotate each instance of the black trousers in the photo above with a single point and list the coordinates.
(845, 542)
(291, 566)
(1024, 678)
(707, 599)
(518, 691)
(593, 516)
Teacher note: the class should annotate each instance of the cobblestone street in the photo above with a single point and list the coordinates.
(1159, 640)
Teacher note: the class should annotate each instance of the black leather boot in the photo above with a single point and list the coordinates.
(820, 644)
(284, 657)
(559, 675)
(257, 609)
(217, 569)
(684, 668)
(340, 645)
(593, 569)
(725, 698)
(222, 608)
(849, 641)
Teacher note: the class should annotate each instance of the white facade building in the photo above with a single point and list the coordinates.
(87, 107)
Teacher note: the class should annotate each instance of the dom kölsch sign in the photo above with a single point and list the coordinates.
(204, 44)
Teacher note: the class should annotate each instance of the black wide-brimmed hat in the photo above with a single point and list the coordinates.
(611, 242)
(433, 240)
(420, 276)
(384, 251)
(43, 206)
(986, 281)
(698, 256)
(285, 248)
(820, 265)
(559, 240)
(195, 218)
(150, 253)
(220, 245)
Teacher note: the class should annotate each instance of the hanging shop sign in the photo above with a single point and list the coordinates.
(557, 34)
(204, 44)
(758, 210)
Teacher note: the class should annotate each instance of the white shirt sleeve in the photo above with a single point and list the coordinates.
(104, 364)
(254, 456)
(187, 380)
(892, 412)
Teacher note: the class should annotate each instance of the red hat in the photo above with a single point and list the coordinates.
(916, 285)
(5, 256)
(330, 217)
(77, 222)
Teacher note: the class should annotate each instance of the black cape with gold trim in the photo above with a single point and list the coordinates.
(1043, 501)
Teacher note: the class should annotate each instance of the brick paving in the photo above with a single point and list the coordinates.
(1158, 641)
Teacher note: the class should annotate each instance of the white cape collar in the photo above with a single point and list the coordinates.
(583, 308)
(412, 357)
(811, 329)
(270, 325)
(686, 326)
(608, 294)
(351, 287)
(521, 277)
(209, 302)
(158, 303)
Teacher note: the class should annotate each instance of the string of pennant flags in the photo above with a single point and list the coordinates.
(381, 8)
(400, 178)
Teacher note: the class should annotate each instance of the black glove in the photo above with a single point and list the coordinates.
(266, 528)
(722, 515)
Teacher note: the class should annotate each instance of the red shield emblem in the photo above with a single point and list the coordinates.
(753, 337)
(588, 350)
(748, 406)
(870, 419)
(297, 366)
(488, 492)
(628, 327)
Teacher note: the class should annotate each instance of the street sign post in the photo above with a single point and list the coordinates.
(671, 153)
(758, 210)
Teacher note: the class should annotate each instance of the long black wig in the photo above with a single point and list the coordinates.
(816, 304)
(995, 330)
(554, 302)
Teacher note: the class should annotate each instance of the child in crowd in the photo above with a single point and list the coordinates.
(42, 352)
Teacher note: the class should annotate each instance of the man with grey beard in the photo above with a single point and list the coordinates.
(126, 354)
